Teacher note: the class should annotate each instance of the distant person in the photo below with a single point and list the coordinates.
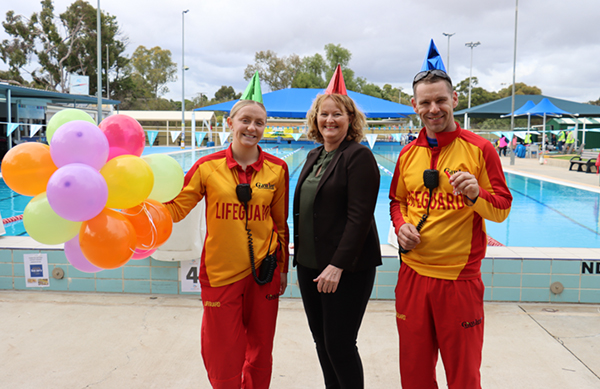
(561, 140)
(502, 145)
(570, 144)
(243, 268)
(527, 139)
(444, 186)
(411, 136)
(336, 245)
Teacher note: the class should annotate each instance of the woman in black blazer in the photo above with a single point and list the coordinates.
(336, 246)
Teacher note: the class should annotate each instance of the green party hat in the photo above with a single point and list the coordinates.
(253, 91)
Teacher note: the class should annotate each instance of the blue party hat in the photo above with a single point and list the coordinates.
(433, 59)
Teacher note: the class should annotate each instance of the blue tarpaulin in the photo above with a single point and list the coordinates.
(295, 102)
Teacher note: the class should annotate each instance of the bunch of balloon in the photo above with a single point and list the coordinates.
(87, 185)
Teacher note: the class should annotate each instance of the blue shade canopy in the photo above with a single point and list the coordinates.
(498, 108)
(525, 108)
(546, 107)
(295, 103)
(433, 59)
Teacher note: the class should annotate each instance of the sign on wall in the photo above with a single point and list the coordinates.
(36, 270)
(189, 275)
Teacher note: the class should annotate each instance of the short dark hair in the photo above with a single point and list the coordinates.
(430, 77)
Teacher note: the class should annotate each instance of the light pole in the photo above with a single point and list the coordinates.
(448, 60)
(512, 103)
(183, 79)
(471, 45)
(99, 63)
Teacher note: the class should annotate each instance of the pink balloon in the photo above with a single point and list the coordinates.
(76, 257)
(79, 141)
(77, 192)
(125, 135)
(141, 254)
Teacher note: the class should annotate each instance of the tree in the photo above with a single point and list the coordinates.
(308, 72)
(226, 93)
(133, 91)
(594, 102)
(311, 73)
(314, 72)
(520, 89)
(277, 73)
(155, 67)
(393, 94)
(84, 59)
(478, 95)
(60, 46)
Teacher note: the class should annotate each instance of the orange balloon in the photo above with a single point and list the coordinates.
(27, 168)
(107, 240)
(152, 223)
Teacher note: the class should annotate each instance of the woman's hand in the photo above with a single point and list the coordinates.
(328, 280)
(282, 283)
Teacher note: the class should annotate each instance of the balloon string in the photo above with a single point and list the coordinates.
(153, 228)
(152, 224)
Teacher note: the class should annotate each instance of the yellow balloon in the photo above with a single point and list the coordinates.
(44, 225)
(129, 179)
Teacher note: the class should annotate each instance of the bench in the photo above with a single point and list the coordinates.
(589, 164)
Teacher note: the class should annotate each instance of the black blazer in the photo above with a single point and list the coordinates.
(344, 222)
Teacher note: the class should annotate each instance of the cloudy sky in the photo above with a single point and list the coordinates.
(558, 45)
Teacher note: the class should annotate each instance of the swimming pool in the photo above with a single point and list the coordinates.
(544, 214)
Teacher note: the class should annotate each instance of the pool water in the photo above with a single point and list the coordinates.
(543, 214)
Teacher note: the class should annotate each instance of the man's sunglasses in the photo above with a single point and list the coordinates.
(435, 72)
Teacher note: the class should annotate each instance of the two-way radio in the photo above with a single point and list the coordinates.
(431, 179)
(269, 264)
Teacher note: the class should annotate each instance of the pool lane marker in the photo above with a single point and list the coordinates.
(385, 170)
(12, 219)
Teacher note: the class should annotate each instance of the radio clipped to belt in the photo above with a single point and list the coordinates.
(269, 264)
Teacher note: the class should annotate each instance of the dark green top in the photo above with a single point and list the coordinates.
(306, 256)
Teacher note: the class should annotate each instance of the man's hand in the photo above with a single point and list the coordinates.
(465, 183)
(408, 236)
(328, 280)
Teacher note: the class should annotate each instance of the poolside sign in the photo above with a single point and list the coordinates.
(588, 267)
(36, 270)
(189, 274)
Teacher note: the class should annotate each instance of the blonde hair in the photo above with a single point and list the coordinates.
(357, 118)
(243, 103)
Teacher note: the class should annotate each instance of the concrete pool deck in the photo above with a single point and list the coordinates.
(99, 340)
(94, 340)
(554, 170)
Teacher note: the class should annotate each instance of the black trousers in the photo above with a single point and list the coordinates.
(334, 320)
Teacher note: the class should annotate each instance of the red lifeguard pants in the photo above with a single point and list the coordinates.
(446, 315)
(238, 326)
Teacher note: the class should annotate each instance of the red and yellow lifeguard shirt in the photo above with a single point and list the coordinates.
(453, 238)
(225, 257)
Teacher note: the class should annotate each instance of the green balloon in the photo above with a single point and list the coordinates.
(44, 225)
(168, 177)
(64, 116)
